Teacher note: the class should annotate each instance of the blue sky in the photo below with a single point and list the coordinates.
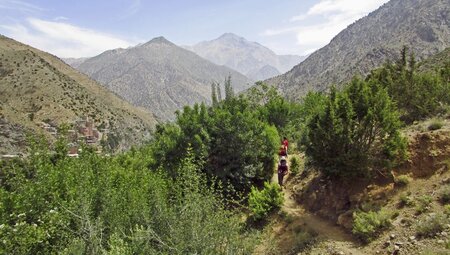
(85, 28)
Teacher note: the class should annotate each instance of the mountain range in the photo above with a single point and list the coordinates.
(422, 26)
(159, 76)
(37, 87)
(250, 58)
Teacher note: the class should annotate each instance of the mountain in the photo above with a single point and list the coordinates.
(245, 56)
(422, 26)
(74, 62)
(159, 76)
(38, 89)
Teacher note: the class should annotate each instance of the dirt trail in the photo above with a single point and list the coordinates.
(332, 238)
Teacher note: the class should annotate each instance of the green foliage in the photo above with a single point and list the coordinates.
(294, 165)
(112, 205)
(445, 195)
(235, 144)
(261, 203)
(418, 95)
(433, 224)
(435, 124)
(406, 200)
(368, 225)
(402, 180)
(357, 131)
(423, 204)
(447, 210)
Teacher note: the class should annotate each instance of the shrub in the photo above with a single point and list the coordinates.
(294, 165)
(445, 196)
(447, 210)
(402, 180)
(433, 224)
(435, 124)
(406, 200)
(368, 225)
(262, 202)
(341, 141)
(302, 240)
(423, 204)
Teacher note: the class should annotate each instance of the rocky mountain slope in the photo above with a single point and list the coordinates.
(159, 76)
(74, 62)
(249, 58)
(423, 26)
(37, 87)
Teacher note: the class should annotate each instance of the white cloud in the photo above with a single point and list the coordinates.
(63, 39)
(324, 20)
(19, 6)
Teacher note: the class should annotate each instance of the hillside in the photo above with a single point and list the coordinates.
(423, 26)
(159, 76)
(249, 58)
(37, 87)
(436, 61)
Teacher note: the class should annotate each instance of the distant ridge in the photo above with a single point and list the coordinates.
(422, 26)
(159, 76)
(250, 58)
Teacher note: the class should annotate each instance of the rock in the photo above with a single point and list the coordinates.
(392, 236)
(377, 252)
(340, 253)
(412, 238)
(447, 226)
(387, 243)
(440, 241)
(396, 248)
(398, 243)
(443, 233)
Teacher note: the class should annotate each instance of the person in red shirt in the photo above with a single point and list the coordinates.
(282, 152)
(285, 144)
(282, 170)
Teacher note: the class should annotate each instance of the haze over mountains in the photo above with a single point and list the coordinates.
(159, 76)
(422, 26)
(250, 58)
(37, 87)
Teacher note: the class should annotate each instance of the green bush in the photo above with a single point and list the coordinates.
(115, 205)
(418, 95)
(406, 200)
(447, 210)
(402, 180)
(341, 141)
(368, 225)
(262, 202)
(445, 196)
(423, 204)
(294, 165)
(435, 124)
(433, 224)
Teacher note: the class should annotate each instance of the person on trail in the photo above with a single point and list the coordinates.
(285, 144)
(282, 170)
(282, 152)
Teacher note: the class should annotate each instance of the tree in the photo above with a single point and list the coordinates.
(356, 133)
(213, 94)
(229, 92)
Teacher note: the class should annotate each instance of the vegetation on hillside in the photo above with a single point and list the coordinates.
(172, 195)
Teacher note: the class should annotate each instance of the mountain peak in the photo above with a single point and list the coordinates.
(159, 40)
(231, 36)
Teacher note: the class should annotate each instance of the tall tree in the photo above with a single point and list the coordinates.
(229, 92)
(213, 94)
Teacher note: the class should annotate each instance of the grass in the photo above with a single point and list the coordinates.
(406, 200)
(368, 225)
(402, 180)
(432, 225)
(423, 204)
(445, 196)
(435, 124)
